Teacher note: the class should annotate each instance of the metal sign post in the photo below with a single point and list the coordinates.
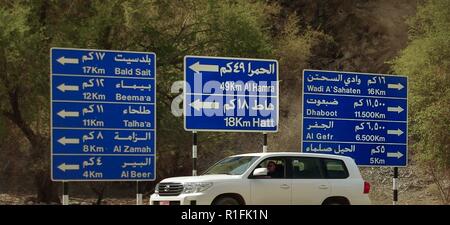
(194, 153)
(65, 200)
(265, 142)
(138, 193)
(395, 187)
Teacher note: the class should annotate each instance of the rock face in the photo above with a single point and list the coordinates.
(367, 34)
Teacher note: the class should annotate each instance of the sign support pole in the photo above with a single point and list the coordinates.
(65, 200)
(194, 153)
(265, 142)
(138, 193)
(395, 186)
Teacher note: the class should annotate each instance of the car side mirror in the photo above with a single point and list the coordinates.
(260, 172)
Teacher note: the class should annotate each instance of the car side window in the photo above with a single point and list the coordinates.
(335, 169)
(276, 168)
(306, 168)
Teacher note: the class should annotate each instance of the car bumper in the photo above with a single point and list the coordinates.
(182, 199)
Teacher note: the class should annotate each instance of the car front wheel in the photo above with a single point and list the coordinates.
(226, 201)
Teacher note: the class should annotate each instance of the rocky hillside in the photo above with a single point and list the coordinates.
(366, 36)
(362, 35)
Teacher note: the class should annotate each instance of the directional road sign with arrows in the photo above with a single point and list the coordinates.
(361, 115)
(230, 94)
(102, 115)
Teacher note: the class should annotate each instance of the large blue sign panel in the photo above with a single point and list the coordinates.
(360, 115)
(230, 94)
(103, 115)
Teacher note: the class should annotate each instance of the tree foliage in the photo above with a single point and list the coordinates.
(426, 61)
(171, 29)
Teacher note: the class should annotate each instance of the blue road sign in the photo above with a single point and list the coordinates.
(364, 116)
(230, 94)
(103, 115)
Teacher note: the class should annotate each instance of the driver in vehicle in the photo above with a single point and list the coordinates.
(272, 170)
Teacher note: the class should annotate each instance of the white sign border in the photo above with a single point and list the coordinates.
(229, 130)
(367, 74)
(51, 117)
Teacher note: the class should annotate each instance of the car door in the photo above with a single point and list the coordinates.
(269, 190)
(337, 174)
(309, 186)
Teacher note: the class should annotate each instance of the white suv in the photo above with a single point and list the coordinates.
(275, 178)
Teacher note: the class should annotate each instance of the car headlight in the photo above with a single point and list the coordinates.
(196, 187)
(157, 188)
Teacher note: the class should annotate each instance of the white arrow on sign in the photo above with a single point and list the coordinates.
(397, 109)
(63, 113)
(397, 132)
(65, 167)
(63, 87)
(197, 104)
(396, 86)
(63, 60)
(65, 141)
(197, 68)
(397, 154)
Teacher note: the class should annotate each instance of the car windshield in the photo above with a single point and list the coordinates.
(235, 165)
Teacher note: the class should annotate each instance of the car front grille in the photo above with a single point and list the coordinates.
(170, 189)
